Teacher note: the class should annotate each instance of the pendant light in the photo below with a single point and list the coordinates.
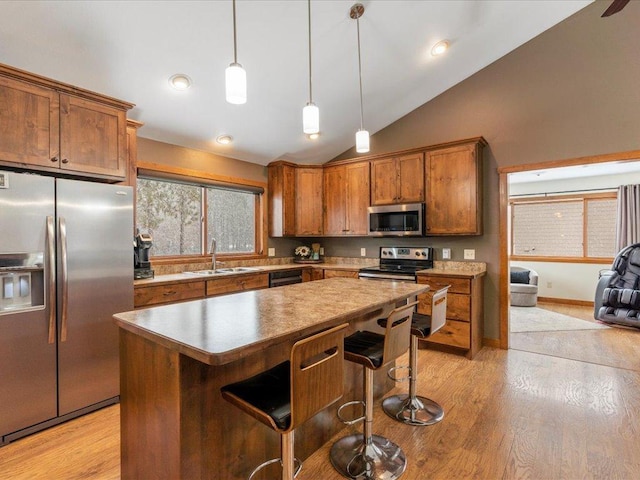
(310, 113)
(362, 136)
(235, 75)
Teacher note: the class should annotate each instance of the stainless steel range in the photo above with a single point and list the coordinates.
(399, 263)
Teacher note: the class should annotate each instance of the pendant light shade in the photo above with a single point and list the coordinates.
(311, 118)
(236, 84)
(235, 76)
(362, 141)
(310, 113)
(362, 135)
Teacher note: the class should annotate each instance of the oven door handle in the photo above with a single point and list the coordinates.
(378, 276)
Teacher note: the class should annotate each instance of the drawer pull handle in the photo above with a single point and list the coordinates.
(65, 160)
(54, 159)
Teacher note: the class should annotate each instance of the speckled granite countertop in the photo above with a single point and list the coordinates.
(443, 268)
(456, 269)
(223, 329)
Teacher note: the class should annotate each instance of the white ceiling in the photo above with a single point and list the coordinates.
(129, 49)
(576, 171)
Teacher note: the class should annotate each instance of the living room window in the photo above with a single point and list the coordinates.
(184, 214)
(577, 227)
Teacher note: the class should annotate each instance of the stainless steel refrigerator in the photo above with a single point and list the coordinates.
(66, 266)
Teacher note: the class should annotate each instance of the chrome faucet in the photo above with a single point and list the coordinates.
(213, 254)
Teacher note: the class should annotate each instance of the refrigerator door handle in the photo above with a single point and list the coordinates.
(51, 260)
(65, 278)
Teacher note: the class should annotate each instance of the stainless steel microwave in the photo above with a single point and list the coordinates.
(405, 220)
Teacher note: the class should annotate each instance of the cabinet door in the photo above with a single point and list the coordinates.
(281, 200)
(144, 296)
(92, 137)
(384, 181)
(357, 198)
(334, 201)
(454, 203)
(308, 219)
(328, 273)
(30, 114)
(410, 170)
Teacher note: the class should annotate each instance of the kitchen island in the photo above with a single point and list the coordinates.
(175, 358)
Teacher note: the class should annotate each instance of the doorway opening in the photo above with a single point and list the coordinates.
(562, 312)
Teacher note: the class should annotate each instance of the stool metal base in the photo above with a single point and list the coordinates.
(380, 460)
(417, 411)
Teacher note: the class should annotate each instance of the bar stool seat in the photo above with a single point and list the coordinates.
(413, 409)
(367, 455)
(293, 391)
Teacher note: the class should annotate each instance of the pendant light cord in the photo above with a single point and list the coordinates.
(235, 41)
(310, 87)
(360, 72)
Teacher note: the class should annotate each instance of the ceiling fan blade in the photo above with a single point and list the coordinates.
(615, 7)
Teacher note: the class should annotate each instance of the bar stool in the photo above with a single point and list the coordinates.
(367, 455)
(288, 394)
(412, 409)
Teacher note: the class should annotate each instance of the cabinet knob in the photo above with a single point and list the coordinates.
(54, 159)
(64, 160)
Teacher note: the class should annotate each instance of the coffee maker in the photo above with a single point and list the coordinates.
(141, 264)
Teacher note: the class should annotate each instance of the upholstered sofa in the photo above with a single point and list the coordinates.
(617, 297)
(523, 287)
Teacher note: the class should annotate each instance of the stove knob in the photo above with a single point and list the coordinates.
(417, 254)
(424, 254)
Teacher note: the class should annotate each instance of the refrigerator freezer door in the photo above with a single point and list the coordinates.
(28, 366)
(97, 281)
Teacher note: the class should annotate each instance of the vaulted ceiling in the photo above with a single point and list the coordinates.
(129, 50)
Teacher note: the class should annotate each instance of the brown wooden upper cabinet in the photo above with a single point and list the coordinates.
(397, 180)
(295, 200)
(309, 219)
(453, 179)
(57, 127)
(346, 199)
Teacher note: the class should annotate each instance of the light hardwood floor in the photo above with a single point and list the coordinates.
(508, 415)
(613, 346)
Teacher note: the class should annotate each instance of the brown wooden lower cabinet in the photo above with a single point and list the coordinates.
(237, 283)
(147, 295)
(465, 320)
(331, 273)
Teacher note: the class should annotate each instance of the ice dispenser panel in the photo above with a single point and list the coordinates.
(21, 282)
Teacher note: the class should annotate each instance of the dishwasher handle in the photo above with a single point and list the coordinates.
(285, 277)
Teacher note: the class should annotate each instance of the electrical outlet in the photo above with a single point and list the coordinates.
(469, 254)
(549, 285)
(363, 252)
(271, 252)
(446, 253)
(321, 250)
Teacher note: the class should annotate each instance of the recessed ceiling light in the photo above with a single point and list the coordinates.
(313, 136)
(439, 48)
(180, 81)
(224, 139)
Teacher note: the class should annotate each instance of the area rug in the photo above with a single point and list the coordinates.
(534, 319)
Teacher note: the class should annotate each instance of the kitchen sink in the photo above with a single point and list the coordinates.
(238, 269)
(219, 271)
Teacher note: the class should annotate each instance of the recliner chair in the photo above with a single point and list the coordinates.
(617, 299)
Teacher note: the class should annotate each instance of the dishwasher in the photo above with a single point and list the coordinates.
(285, 277)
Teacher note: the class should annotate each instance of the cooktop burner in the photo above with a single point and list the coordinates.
(401, 261)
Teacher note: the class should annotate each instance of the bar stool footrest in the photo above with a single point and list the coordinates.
(382, 458)
(349, 404)
(417, 411)
(297, 464)
(391, 371)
